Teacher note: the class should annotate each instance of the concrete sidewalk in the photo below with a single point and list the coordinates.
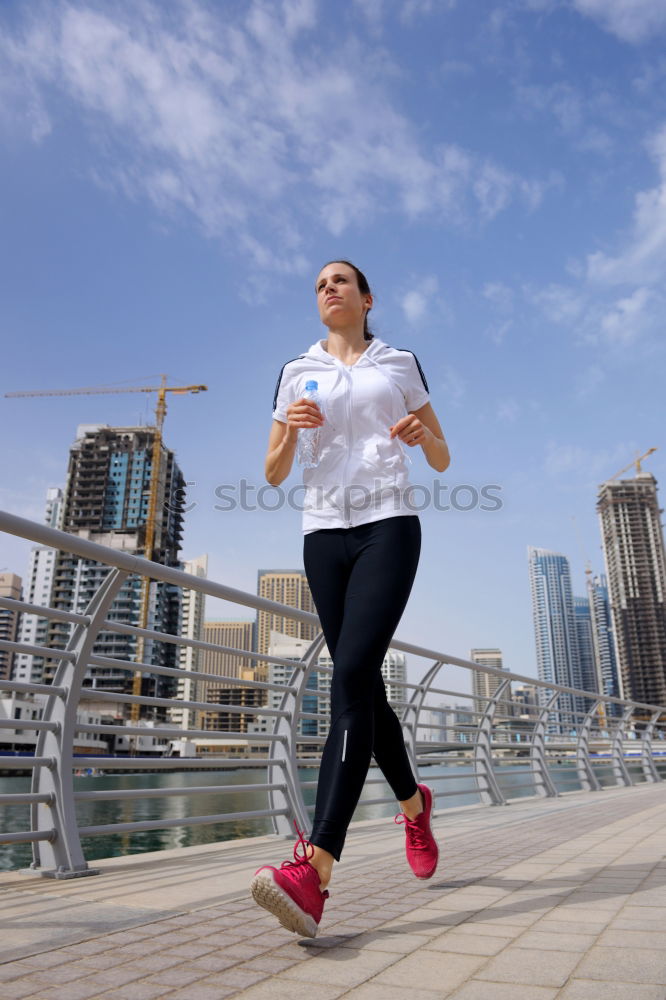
(540, 899)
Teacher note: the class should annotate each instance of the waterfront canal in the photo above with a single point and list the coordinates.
(454, 779)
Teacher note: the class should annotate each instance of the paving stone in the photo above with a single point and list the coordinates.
(464, 942)
(548, 941)
(586, 989)
(195, 992)
(475, 990)
(431, 970)
(85, 989)
(627, 965)
(392, 940)
(281, 989)
(340, 967)
(238, 978)
(171, 979)
(19, 988)
(212, 962)
(268, 963)
(554, 923)
(625, 938)
(533, 968)
(381, 991)
(139, 991)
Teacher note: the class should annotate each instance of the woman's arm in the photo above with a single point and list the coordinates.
(283, 438)
(422, 427)
(281, 451)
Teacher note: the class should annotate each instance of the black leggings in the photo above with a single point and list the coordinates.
(360, 579)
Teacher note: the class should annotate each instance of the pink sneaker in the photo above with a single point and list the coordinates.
(421, 847)
(292, 891)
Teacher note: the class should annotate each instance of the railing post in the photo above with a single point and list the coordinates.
(647, 760)
(283, 766)
(62, 857)
(489, 790)
(586, 775)
(412, 713)
(622, 776)
(543, 782)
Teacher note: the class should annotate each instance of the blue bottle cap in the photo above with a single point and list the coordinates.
(311, 384)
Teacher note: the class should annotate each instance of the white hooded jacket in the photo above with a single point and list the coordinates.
(362, 472)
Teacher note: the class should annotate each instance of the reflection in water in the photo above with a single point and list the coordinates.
(223, 798)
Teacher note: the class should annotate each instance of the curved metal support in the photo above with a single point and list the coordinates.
(489, 790)
(622, 776)
(62, 857)
(647, 760)
(283, 766)
(543, 782)
(586, 775)
(412, 714)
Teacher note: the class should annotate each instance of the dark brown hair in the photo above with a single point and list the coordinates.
(363, 287)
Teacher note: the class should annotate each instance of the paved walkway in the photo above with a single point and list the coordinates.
(538, 900)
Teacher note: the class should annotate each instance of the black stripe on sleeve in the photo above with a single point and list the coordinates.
(277, 386)
(423, 378)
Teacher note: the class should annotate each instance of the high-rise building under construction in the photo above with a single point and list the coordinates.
(106, 500)
(633, 546)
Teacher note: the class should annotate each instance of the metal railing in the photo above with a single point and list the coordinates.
(570, 739)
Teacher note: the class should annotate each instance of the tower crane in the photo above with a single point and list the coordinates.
(151, 517)
(636, 462)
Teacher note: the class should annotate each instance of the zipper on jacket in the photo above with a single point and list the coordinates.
(346, 497)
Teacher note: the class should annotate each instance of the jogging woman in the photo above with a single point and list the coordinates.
(361, 549)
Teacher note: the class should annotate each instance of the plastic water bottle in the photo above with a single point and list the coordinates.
(308, 437)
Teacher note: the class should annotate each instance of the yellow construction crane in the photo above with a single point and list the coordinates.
(151, 517)
(636, 462)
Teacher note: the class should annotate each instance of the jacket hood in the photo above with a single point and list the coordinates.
(316, 352)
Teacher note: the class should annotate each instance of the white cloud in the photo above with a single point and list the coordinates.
(508, 410)
(589, 380)
(452, 385)
(644, 258)
(630, 20)
(499, 295)
(411, 9)
(592, 307)
(572, 109)
(416, 302)
(501, 298)
(628, 317)
(563, 459)
(559, 303)
(238, 123)
(373, 11)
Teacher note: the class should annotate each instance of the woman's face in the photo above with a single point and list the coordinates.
(339, 298)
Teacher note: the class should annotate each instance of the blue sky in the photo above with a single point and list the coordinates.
(174, 174)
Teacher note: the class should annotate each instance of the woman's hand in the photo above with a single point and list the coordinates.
(422, 427)
(303, 413)
(410, 430)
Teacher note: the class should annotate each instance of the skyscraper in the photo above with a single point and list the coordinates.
(10, 587)
(235, 634)
(106, 500)
(189, 657)
(633, 544)
(605, 658)
(554, 630)
(587, 676)
(33, 630)
(286, 586)
(484, 686)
